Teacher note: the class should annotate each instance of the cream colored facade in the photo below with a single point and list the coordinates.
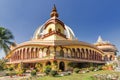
(56, 42)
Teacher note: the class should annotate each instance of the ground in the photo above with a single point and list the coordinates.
(74, 76)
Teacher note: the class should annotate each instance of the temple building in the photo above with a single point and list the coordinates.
(54, 41)
(110, 51)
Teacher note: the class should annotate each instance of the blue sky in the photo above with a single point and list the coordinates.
(87, 18)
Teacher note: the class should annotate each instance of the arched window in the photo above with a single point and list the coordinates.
(50, 30)
(110, 58)
(83, 54)
(28, 55)
(78, 50)
(24, 54)
(105, 58)
(61, 53)
(48, 63)
(48, 53)
(62, 66)
(87, 54)
(73, 53)
(32, 52)
(59, 30)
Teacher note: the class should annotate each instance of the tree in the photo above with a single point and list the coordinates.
(2, 64)
(5, 39)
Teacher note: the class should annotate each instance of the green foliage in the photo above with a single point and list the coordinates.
(53, 73)
(10, 68)
(20, 69)
(39, 68)
(2, 65)
(54, 66)
(99, 67)
(47, 69)
(72, 64)
(5, 39)
(86, 76)
(33, 73)
(91, 68)
(76, 70)
(10, 73)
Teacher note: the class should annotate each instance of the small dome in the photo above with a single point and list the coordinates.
(105, 45)
(40, 32)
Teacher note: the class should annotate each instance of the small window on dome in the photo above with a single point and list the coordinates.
(50, 30)
(59, 30)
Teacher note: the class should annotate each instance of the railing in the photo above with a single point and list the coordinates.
(80, 60)
(32, 60)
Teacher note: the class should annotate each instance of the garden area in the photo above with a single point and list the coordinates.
(51, 72)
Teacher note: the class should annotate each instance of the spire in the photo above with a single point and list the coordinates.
(99, 39)
(54, 12)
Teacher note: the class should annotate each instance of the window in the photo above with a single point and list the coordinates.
(59, 30)
(50, 30)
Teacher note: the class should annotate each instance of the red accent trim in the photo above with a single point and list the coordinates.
(54, 21)
(54, 32)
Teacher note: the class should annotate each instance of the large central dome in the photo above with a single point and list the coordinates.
(54, 26)
(40, 32)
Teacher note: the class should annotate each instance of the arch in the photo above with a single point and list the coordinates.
(90, 56)
(62, 66)
(48, 63)
(23, 54)
(69, 53)
(83, 55)
(105, 58)
(20, 56)
(36, 53)
(32, 52)
(87, 54)
(50, 30)
(110, 58)
(65, 52)
(73, 52)
(59, 30)
(61, 53)
(44, 50)
(93, 55)
(48, 52)
(78, 50)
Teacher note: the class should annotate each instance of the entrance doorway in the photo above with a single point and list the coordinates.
(62, 66)
(48, 63)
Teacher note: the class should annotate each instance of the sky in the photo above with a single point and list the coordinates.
(87, 18)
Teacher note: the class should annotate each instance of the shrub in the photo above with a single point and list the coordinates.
(2, 64)
(104, 68)
(38, 67)
(33, 73)
(10, 73)
(76, 70)
(20, 72)
(91, 68)
(72, 64)
(10, 68)
(47, 70)
(53, 73)
(99, 67)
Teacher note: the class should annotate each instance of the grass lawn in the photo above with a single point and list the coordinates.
(74, 76)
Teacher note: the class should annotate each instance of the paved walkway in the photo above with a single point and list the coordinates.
(14, 77)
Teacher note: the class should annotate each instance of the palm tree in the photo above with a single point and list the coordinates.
(5, 39)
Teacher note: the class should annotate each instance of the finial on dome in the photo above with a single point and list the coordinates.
(99, 39)
(54, 12)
